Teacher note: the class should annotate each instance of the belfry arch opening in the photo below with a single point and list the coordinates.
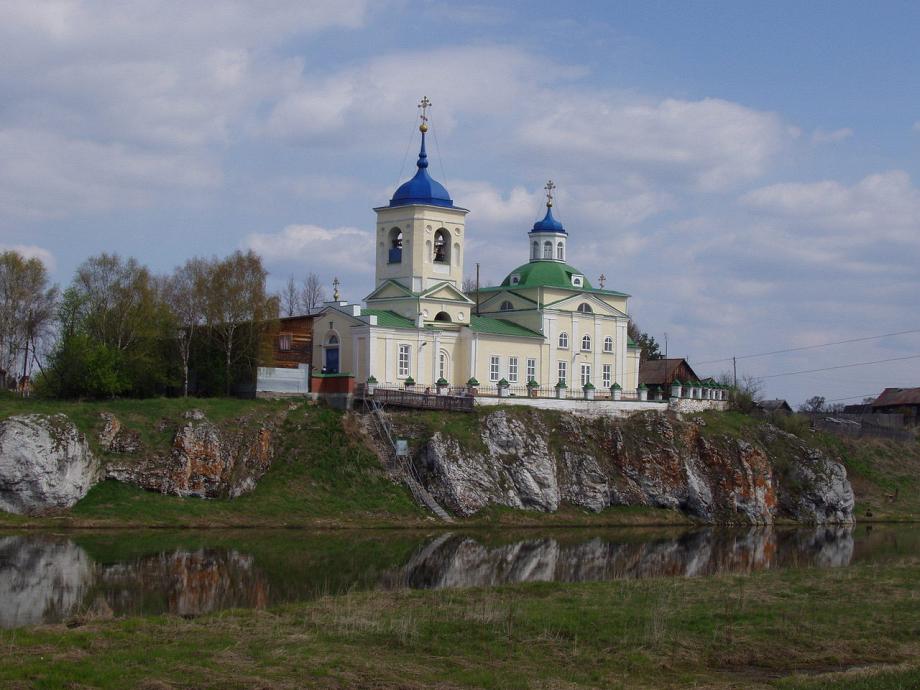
(442, 247)
(396, 246)
(443, 317)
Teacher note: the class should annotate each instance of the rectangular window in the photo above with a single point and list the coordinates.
(531, 370)
(285, 342)
(562, 373)
(585, 374)
(606, 375)
(403, 371)
(494, 364)
(442, 365)
(512, 369)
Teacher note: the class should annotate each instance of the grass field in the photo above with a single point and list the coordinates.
(855, 627)
(325, 476)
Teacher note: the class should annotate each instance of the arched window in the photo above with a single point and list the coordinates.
(506, 306)
(608, 344)
(585, 308)
(547, 250)
(442, 247)
(396, 243)
(536, 250)
(442, 316)
(586, 342)
(560, 251)
(332, 340)
(563, 339)
(444, 365)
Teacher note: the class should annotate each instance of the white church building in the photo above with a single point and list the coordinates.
(545, 324)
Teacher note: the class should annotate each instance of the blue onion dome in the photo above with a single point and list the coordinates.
(422, 188)
(548, 224)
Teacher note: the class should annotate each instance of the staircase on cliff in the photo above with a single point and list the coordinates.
(402, 465)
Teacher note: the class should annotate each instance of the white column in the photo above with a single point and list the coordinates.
(390, 360)
(371, 352)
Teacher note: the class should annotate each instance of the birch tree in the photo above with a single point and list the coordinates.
(185, 293)
(238, 305)
(27, 306)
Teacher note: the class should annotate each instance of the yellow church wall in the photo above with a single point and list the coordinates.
(486, 346)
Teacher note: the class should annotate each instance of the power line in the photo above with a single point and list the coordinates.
(810, 347)
(840, 366)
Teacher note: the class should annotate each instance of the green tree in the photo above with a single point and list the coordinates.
(238, 308)
(27, 304)
(648, 346)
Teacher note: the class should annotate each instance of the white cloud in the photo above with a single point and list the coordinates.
(821, 136)
(715, 142)
(31, 251)
(880, 206)
(346, 251)
(107, 104)
(46, 175)
(489, 206)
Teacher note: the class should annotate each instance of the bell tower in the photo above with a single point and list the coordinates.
(548, 238)
(420, 234)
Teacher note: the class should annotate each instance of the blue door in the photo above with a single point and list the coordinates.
(332, 360)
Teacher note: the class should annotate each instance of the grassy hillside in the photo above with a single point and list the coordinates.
(321, 475)
(324, 474)
(885, 474)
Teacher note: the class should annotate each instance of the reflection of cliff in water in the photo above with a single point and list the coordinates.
(46, 578)
(462, 561)
(186, 583)
(41, 579)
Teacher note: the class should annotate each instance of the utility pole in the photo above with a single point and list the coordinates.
(477, 289)
(666, 345)
(735, 371)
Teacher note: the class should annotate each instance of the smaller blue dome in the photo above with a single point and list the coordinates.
(548, 224)
(422, 189)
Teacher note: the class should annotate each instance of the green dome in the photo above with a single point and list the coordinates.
(545, 272)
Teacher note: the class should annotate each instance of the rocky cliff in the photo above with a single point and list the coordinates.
(536, 460)
(205, 460)
(47, 464)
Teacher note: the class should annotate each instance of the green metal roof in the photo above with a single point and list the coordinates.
(550, 274)
(487, 324)
(389, 319)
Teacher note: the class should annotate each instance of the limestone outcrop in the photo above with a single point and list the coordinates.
(533, 461)
(205, 460)
(45, 464)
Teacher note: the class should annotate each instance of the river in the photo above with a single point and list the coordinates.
(47, 577)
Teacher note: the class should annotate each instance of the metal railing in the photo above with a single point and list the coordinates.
(420, 400)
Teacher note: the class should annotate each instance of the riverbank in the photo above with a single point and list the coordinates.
(850, 627)
(326, 475)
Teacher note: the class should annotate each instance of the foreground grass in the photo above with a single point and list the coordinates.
(857, 627)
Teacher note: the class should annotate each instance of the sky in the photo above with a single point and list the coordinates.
(748, 172)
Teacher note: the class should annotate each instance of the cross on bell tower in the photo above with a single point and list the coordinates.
(423, 105)
(601, 280)
(550, 186)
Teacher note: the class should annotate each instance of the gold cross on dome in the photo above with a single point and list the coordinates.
(335, 289)
(549, 193)
(423, 105)
(602, 280)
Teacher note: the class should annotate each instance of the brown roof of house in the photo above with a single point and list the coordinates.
(774, 405)
(897, 396)
(658, 371)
